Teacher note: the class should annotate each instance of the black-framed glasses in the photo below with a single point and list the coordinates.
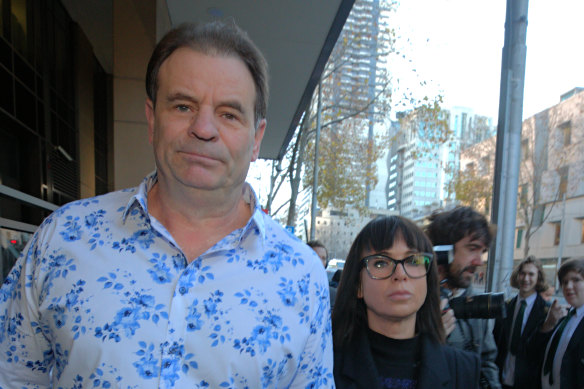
(380, 267)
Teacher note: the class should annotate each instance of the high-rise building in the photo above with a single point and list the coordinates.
(354, 75)
(419, 170)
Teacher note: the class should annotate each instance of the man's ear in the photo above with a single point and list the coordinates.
(258, 136)
(149, 109)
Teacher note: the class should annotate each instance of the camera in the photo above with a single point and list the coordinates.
(480, 306)
(444, 254)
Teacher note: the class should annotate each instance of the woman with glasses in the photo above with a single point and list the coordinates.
(387, 328)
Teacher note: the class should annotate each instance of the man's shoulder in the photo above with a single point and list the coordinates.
(85, 210)
(117, 199)
(280, 239)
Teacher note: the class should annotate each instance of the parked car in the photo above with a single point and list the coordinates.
(336, 263)
(334, 276)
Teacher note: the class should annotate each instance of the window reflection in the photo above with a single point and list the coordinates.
(11, 244)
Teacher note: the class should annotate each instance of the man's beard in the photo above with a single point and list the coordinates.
(457, 280)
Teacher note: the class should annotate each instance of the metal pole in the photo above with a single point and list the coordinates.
(315, 169)
(507, 162)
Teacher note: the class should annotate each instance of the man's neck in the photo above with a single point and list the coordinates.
(525, 295)
(197, 222)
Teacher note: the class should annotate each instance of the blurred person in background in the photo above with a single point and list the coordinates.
(322, 253)
(549, 293)
(387, 328)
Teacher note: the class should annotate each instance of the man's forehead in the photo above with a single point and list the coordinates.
(528, 268)
(474, 240)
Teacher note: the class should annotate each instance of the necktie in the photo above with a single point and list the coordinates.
(549, 361)
(516, 335)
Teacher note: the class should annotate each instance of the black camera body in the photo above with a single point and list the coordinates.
(479, 306)
(444, 254)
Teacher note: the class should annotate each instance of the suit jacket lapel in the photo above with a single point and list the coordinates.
(509, 322)
(534, 317)
(577, 336)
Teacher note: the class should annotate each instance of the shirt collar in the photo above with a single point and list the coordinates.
(529, 300)
(140, 199)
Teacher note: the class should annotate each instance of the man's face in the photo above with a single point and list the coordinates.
(468, 254)
(321, 252)
(573, 288)
(527, 279)
(202, 128)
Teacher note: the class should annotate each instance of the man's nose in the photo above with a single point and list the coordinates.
(203, 125)
(477, 260)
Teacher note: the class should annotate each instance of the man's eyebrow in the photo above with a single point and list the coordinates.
(236, 105)
(179, 96)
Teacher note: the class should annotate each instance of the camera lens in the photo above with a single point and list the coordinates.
(481, 306)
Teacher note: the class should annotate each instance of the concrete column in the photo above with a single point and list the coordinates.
(134, 35)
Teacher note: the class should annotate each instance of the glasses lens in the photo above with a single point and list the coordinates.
(417, 265)
(380, 267)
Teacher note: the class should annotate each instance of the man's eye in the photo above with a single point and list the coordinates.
(182, 108)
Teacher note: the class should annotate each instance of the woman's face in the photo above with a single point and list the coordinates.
(395, 299)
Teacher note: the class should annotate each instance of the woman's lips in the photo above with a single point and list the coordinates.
(400, 295)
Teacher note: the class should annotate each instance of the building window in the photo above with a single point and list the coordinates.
(562, 189)
(524, 149)
(523, 193)
(486, 165)
(566, 133)
(557, 233)
(519, 238)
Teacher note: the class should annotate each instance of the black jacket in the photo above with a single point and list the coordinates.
(441, 367)
(525, 365)
(572, 370)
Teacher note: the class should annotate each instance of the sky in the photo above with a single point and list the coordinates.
(456, 46)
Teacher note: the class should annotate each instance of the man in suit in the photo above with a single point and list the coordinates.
(525, 312)
(560, 338)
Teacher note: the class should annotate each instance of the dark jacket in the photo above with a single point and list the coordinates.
(476, 335)
(525, 364)
(572, 370)
(441, 366)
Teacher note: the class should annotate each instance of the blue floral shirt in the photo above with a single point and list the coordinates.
(102, 297)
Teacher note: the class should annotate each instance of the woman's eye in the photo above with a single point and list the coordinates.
(380, 263)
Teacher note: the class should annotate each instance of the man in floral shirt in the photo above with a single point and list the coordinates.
(182, 281)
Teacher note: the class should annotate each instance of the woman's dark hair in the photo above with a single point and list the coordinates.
(350, 313)
(216, 38)
(451, 226)
(540, 285)
(576, 265)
